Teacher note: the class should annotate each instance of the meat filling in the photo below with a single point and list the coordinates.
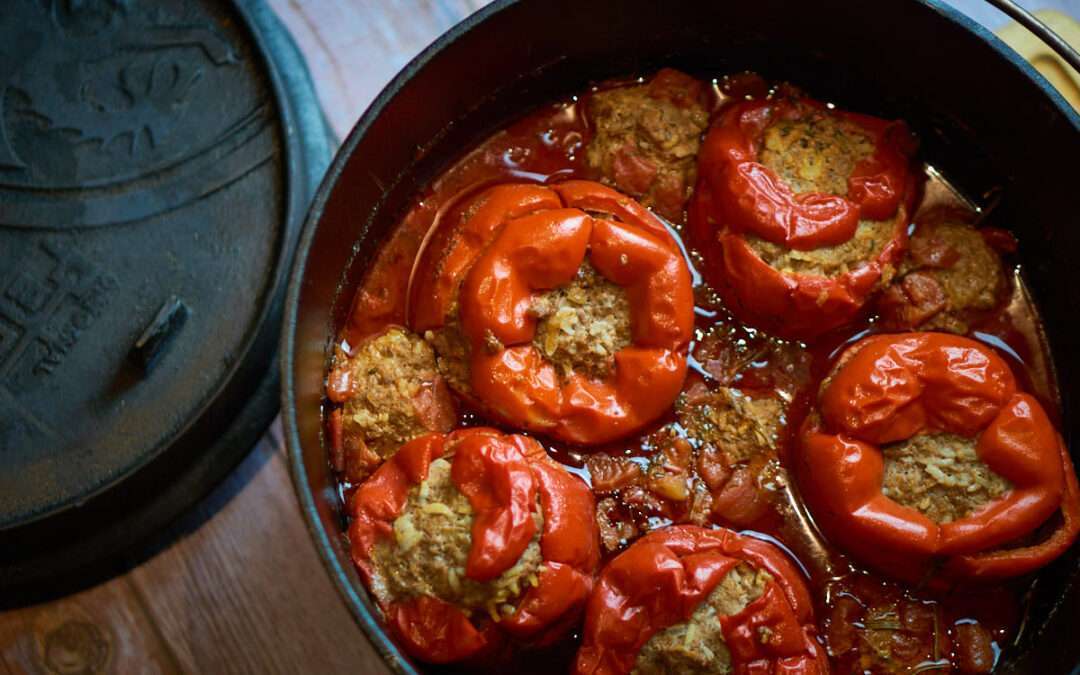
(950, 274)
(940, 476)
(646, 139)
(815, 154)
(430, 547)
(818, 154)
(453, 353)
(696, 646)
(394, 394)
(582, 325)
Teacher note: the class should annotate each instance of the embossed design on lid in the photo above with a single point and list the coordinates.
(144, 167)
(103, 111)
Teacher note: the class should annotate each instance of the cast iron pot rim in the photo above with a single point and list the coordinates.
(372, 625)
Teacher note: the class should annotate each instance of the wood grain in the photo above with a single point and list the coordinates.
(104, 629)
(249, 583)
(239, 589)
(354, 47)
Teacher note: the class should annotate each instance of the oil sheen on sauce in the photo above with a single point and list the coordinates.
(868, 624)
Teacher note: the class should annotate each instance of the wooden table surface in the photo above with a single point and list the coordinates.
(237, 586)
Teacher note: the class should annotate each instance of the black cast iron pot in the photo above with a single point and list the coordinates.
(985, 118)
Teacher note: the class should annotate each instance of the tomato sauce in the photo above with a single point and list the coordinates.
(868, 624)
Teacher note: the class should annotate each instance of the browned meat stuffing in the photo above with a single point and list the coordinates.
(696, 646)
(391, 393)
(940, 476)
(717, 465)
(817, 154)
(582, 325)
(646, 139)
(430, 547)
(950, 275)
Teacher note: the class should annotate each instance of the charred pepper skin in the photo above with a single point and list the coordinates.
(737, 196)
(888, 388)
(502, 476)
(662, 578)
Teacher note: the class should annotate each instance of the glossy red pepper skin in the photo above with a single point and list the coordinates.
(997, 565)
(888, 388)
(433, 293)
(502, 476)
(662, 578)
(523, 240)
(737, 196)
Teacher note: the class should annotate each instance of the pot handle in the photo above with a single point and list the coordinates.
(1040, 29)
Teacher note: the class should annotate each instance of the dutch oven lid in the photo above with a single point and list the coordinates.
(155, 160)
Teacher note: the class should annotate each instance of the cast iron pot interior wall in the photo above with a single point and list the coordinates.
(985, 118)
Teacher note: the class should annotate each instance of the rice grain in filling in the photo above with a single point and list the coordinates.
(940, 476)
(973, 280)
(646, 145)
(818, 154)
(430, 546)
(580, 326)
(387, 375)
(696, 646)
(452, 353)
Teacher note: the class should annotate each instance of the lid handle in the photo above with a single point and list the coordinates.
(160, 332)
